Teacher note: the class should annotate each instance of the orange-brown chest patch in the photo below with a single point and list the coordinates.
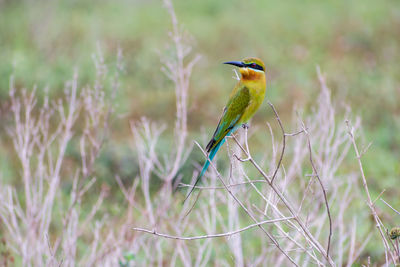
(249, 74)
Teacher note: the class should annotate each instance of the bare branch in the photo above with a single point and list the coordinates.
(244, 207)
(369, 201)
(307, 233)
(283, 141)
(322, 187)
(387, 204)
(221, 187)
(154, 232)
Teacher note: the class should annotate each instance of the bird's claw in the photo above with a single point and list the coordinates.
(245, 126)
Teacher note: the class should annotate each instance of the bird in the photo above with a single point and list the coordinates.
(244, 100)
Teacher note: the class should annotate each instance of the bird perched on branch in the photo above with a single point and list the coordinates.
(244, 101)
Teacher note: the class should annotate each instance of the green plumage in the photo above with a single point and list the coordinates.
(233, 112)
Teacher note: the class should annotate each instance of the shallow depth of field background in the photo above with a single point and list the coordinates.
(355, 43)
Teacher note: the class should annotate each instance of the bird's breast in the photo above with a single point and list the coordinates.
(255, 81)
(257, 95)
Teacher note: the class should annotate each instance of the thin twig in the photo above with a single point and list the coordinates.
(379, 196)
(369, 201)
(294, 134)
(390, 206)
(283, 141)
(220, 187)
(322, 187)
(154, 232)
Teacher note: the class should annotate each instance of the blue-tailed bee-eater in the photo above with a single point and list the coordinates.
(244, 101)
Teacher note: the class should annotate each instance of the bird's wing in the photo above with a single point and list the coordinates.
(232, 114)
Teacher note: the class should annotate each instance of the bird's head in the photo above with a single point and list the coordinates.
(250, 68)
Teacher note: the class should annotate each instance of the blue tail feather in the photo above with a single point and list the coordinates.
(211, 156)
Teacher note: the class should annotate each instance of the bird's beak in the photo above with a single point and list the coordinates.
(236, 63)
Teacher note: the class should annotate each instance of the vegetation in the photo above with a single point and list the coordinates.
(101, 103)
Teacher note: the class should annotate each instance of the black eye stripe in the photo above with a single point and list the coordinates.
(254, 66)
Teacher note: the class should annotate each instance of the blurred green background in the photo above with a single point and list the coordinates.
(355, 43)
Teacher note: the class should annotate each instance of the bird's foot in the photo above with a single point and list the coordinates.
(245, 126)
